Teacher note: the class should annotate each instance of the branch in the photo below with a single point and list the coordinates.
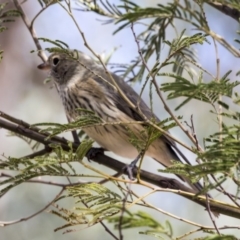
(3, 224)
(231, 12)
(49, 183)
(167, 184)
(32, 31)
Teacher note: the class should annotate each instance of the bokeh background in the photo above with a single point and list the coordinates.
(24, 95)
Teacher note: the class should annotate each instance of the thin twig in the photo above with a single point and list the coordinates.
(219, 112)
(153, 79)
(38, 14)
(3, 224)
(123, 95)
(108, 231)
(231, 12)
(164, 212)
(222, 190)
(219, 38)
(193, 131)
(50, 183)
(116, 175)
(228, 194)
(202, 229)
(38, 153)
(164, 182)
(86, 205)
(123, 209)
(210, 214)
(32, 31)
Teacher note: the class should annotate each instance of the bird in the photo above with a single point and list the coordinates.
(83, 83)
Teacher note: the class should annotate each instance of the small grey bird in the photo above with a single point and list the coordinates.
(83, 83)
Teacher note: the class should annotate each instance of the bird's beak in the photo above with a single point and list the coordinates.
(44, 66)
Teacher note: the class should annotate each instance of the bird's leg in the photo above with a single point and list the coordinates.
(74, 134)
(75, 137)
(93, 152)
(129, 167)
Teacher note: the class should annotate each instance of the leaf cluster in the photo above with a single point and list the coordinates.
(6, 16)
(208, 92)
(142, 219)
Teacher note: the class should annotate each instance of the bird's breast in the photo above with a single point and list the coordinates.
(114, 132)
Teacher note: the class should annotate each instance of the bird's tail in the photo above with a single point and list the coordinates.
(166, 151)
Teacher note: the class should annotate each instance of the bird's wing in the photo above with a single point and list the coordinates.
(132, 112)
(170, 145)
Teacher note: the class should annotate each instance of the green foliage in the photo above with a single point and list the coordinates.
(27, 169)
(134, 13)
(86, 119)
(94, 194)
(153, 37)
(217, 237)
(84, 148)
(103, 8)
(142, 219)
(34, 145)
(60, 46)
(98, 203)
(47, 2)
(219, 157)
(142, 140)
(58, 163)
(6, 16)
(182, 53)
(205, 92)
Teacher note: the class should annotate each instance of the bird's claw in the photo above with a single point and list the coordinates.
(130, 167)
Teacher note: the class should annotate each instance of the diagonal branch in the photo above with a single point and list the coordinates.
(165, 183)
(31, 30)
(3, 224)
(231, 12)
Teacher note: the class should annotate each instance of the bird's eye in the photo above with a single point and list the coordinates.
(55, 61)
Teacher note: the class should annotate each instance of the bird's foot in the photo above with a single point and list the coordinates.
(93, 152)
(129, 168)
